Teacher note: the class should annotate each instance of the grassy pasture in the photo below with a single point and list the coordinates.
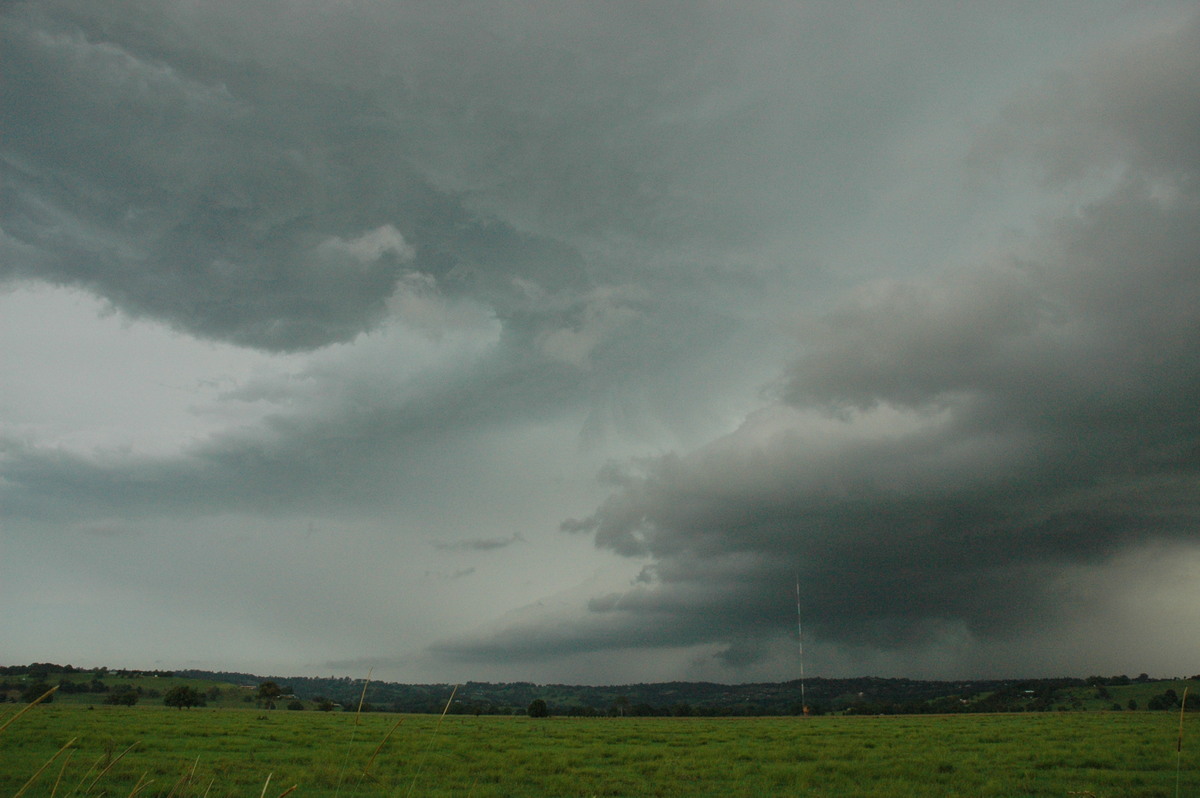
(231, 752)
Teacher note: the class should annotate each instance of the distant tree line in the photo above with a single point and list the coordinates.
(866, 695)
(43, 669)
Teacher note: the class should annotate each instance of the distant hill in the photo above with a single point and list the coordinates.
(862, 695)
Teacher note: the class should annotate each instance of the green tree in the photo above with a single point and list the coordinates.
(538, 709)
(268, 692)
(1167, 700)
(35, 691)
(125, 696)
(183, 696)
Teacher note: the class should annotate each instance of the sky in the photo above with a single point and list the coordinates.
(601, 343)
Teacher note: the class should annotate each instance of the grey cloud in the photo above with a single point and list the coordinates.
(204, 161)
(1089, 335)
(480, 544)
(1128, 104)
(345, 435)
(211, 193)
(459, 574)
(947, 447)
(503, 243)
(309, 462)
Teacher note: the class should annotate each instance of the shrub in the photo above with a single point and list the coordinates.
(35, 691)
(183, 696)
(124, 697)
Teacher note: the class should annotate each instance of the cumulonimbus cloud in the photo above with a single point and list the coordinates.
(945, 447)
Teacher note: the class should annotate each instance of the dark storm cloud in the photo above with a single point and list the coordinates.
(215, 167)
(231, 199)
(946, 447)
(406, 275)
(480, 544)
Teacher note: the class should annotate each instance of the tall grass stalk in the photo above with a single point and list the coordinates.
(42, 769)
(13, 719)
(432, 736)
(184, 780)
(107, 768)
(350, 743)
(28, 707)
(142, 783)
(362, 698)
(378, 748)
(1179, 742)
(61, 772)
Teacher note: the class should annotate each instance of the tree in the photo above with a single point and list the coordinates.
(1167, 700)
(538, 709)
(125, 696)
(268, 692)
(582, 712)
(35, 691)
(183, 696)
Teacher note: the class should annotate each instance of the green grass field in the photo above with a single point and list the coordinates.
(233, 752)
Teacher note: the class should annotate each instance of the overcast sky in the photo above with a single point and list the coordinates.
(558, 341)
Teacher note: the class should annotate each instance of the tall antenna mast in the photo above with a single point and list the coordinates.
(800, 637)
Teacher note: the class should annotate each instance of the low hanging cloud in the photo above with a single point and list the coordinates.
(479, 544)
(368, 247)
(947, 447)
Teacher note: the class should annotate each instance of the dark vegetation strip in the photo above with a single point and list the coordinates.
(864, 696)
